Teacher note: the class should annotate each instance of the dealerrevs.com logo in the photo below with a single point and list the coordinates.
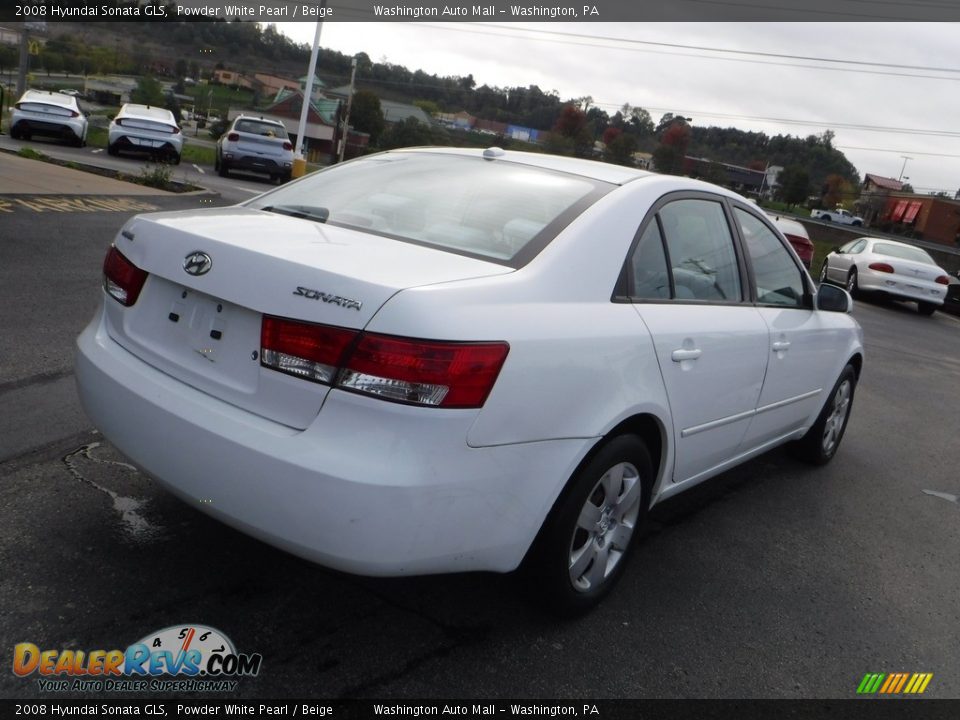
(180, 658)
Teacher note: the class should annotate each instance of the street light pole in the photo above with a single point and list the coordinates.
(905, 158)
(346, 115)
(307, 97)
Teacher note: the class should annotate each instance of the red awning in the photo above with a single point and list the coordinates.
(913, 209)
(898, 211)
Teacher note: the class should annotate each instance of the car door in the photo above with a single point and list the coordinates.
(687, 282)
(840, 262)
(802, 343)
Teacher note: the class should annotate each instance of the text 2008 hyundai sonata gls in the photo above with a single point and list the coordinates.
(440, 360)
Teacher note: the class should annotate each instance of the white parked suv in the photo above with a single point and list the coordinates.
(145, 128)
(443, 360)
(49, 114)
(256, 145)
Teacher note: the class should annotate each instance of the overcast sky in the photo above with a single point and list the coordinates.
(880, 85)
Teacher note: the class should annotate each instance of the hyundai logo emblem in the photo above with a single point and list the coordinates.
(197, 263)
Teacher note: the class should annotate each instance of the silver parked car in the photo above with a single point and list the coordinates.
(50, 114)
(257, 145)
(148, 129)
(902, 271)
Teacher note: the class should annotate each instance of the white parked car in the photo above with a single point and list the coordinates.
(443, 360)
(902, 271)
(49, 114)
(146, 129)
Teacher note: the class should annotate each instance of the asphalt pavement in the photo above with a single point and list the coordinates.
(774, 580)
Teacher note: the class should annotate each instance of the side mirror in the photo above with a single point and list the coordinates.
(836, 249)
(833, 299)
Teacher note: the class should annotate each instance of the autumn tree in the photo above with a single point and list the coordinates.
(794, 184)
(836, 190)
(571, 132)
(670, 153)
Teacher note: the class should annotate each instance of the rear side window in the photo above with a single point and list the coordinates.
(493, 210)
(703, 263)
(649, 274)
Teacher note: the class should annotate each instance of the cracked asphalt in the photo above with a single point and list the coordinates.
(775, 580)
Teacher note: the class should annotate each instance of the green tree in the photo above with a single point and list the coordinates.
(620, 149)
(409, 132)
(148, 92)
(366, 115)
(794, 184)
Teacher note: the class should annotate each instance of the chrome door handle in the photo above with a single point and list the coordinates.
(781, 346)
(681, 355)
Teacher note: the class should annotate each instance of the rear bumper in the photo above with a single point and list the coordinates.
(370, 487)
(256, 163)
(899, 287)
(47, 128)
(145, 143)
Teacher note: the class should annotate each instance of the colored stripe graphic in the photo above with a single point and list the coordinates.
(894, 683)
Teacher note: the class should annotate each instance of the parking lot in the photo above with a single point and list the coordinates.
(774, 580)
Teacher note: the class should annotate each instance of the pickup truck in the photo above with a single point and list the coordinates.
(838, 216)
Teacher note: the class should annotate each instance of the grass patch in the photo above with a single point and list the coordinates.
(157, 176)
(30, 154)
(198, 154)
(219, 97)
(97, 137)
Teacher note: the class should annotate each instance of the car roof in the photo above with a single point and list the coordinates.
(605, 172)
(49, 97)
(150, 112)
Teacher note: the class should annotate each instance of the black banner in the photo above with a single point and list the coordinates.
(39, 11)
(600, 709)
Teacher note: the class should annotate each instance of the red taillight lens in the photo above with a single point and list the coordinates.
(287, 146)
(943, 280)
(118, 121)
(881, 267)
(233, 137)
(176, 130)
(424, 372)
(74, 113)
(419, 372)
(312, 352)
(122, 280)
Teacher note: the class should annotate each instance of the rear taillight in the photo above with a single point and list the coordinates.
(312, 352)
(943, 280)
(287, 146)
(419, 372)
(118, 121)
(176, 130)
(122, 280)
(233, 137)
(881, 267)
(423, 372)
(74, 113)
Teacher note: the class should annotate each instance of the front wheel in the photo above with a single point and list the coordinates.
(582, 549)
(822, 440)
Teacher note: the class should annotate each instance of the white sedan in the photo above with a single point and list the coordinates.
(902, 271)
(146, 129)
(443, 360)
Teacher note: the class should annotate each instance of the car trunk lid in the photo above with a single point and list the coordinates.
(214, 274)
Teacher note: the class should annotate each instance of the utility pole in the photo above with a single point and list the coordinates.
(346, 116)
(905, 158)
(24, 60)
(300, 163)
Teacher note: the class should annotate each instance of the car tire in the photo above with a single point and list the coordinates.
(15, 132)
(224, 169)
(857, 223)
(216, 162)
(823, 273)
(926, 308)
(285, 178)
(583, 547)
(852, 282)
(822, 440)
(825, 218)
(112, 149)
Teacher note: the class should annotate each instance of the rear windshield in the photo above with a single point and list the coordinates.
(255, 127)
(903, 252)
(45, 108)
(494, 210)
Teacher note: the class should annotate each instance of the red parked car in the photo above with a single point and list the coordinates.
(796, 233)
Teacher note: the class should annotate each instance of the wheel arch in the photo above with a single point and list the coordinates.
(650, 429)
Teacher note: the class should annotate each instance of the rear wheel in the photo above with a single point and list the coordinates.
(822, 440)
(583, 547)
(224, 169)
(112, 149)
(926, 308)
(15, 132)
(823, 273)
(826, 218)
(852, 282)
